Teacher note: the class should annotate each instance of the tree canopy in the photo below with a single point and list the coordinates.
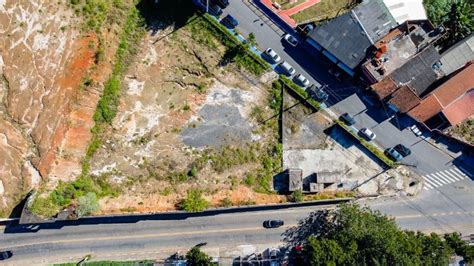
(195, 257)
(354, 235)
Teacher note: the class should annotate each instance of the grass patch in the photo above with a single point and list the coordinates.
(369, 146)
(464, 131)
(98, 13)
(324, 10)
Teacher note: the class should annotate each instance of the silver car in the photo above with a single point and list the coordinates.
(301, 80)
(287, 68)
(368, 133)
(291, 40)
(273, 55)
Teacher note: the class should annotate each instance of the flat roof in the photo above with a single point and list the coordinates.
(403, 10)
(458, 55)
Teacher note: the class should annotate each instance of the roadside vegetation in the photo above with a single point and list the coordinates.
(325, 10)
(354, 235)
(464, 131)
(85, 187)
(110, 263)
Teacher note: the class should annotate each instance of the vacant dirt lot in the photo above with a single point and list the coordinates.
(185, 122)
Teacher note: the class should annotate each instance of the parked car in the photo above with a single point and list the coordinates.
(416, 130)
(392, 153)
(335, 73)
(368, 133)
(291, 40)
(301, 80)
(318, 93)
(274, 57)
(402, 149)
(346, 118)
(230, 22)
(213, 9)
(273, 223)
(287, 68)
(221, 3)
(5, 255)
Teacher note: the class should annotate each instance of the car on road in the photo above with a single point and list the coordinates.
(291, 40)
(368, 133)
(416, 130)
(221, 3)
(348, 119)
(230, 22)
(393, 154)
(274, 57)
(402, 149)
(318, 92)
(213, 9)
(5, 255)
(301, 80)
(287, 68)
(273, 223)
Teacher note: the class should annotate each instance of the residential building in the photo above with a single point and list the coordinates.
(449, 104)
(403, 10)
(458, 56)
(347, 39)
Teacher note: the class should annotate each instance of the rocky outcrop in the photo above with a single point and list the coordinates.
(46, 115)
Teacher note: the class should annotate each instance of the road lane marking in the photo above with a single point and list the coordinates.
(446, 177)
(455, 177)
(432, 182)
(460, 172)
(432, 175)
(441, 177)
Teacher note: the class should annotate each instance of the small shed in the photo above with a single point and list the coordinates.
(295, 179)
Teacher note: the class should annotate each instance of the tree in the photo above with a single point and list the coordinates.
(194, 202)
(459, 21)
(297, 196)
(87, 204)
(436, 10)
(195, 257)
(461, 247)
(354, 235)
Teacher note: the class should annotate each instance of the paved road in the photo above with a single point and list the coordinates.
(391, 129)
(224, 234)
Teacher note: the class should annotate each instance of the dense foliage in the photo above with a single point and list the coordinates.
(354, 235)
(195, 257)
(194, 202)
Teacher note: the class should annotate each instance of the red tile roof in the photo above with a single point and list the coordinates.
(461, 110)
(426, 109)
(384, 88)
(404, 99)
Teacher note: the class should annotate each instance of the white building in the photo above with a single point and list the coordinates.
(403, 10)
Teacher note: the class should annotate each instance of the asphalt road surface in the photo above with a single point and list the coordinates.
(225, 234)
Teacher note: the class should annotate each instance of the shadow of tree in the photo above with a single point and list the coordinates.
(317, 224)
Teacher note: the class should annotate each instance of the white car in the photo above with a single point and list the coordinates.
(301, 80)
(291, 40)
(273, 55)
(368, 133)
(416, 130)
(287, 68)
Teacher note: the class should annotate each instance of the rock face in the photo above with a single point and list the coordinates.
(45, 116)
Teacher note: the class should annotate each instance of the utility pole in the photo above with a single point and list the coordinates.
(207, 6)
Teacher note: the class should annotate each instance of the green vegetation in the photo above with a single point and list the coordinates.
(300, 92)
(205, 28)
(195, 257)
(324, 10)
(455, 15)
(111, 263)
(87, 204)
(297, 196)
(98, 12)
(369, 146)
(354, 235)
(194, 202)
(464, 131)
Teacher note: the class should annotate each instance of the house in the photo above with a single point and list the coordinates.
(404, 88)
(458, 56)
(403, 10)
(449, 104)
(398, 47)
(347, 39)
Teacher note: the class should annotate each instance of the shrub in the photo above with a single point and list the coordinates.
(194, 202)
(195, 257)
(297, 196)
(87, 204)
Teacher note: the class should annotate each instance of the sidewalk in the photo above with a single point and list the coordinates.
(284, 15)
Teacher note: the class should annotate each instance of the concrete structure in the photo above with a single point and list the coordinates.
(346, 40)
(403, 10)
(458, 56)
(295, 179)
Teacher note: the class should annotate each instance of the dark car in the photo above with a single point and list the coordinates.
(5, 255)
(273, 223)
(213, 9)
(221, 3)
(320, 94)
(230, 21)
(404, 151)
(347, 119)
(392, 153)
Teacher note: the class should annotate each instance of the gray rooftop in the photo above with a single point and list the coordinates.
(350, 35)
(458, 55)
(420, 72)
